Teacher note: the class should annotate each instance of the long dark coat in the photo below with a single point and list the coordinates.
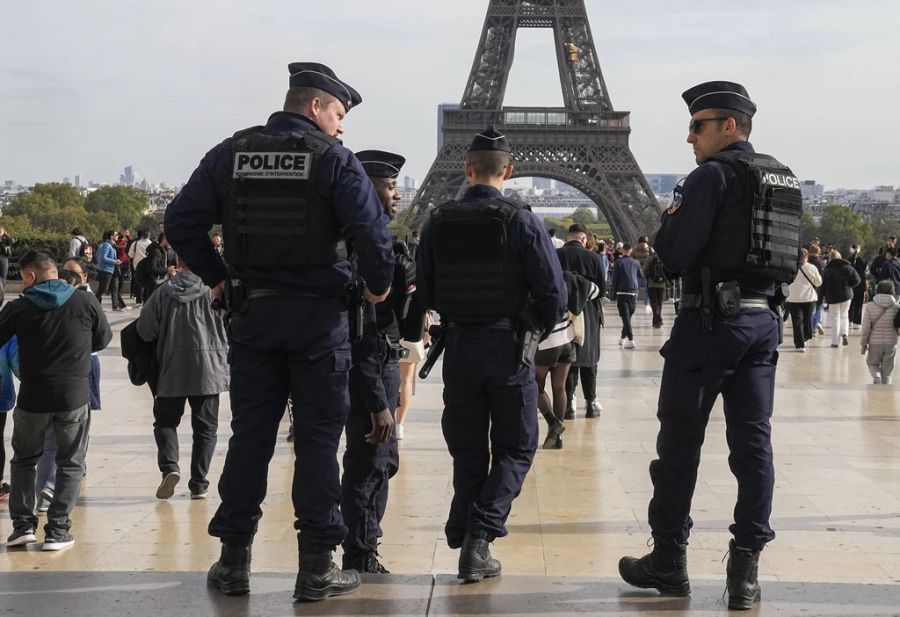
(575, 258)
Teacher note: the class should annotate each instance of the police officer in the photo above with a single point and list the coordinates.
(288, 195)
(487, 265)
(724, 338)
(372, 458)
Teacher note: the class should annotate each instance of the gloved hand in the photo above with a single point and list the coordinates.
(416, 350)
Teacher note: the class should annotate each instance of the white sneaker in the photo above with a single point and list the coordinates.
(400, 431)
(58, 541)
(820, 328)
(622, 342)
(21, 537)
(801, 350)
(629, 344)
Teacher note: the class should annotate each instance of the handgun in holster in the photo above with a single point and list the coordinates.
(233, 298)
(777, 305)
(529, 335)
(356, 306)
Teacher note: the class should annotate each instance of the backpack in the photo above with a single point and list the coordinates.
(156, 260)
(658, 271)
(82, 248)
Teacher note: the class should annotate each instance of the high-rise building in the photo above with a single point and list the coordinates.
(440, 128)
(409, 183)
(77, 181)
(812, 191)
(127, 178)
(662, 184)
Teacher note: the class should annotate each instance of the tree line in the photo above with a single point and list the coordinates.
(54, 209)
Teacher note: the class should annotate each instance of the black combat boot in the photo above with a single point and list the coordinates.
(742, 583)
(231, 574)
(593, 409)
(664, 569)
(363, 563)
(475, 561)
(320, 578)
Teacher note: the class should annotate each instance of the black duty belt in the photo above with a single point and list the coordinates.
(694, 301)
(393, 353)
(259, 294)
(396, 354)
(499, 324)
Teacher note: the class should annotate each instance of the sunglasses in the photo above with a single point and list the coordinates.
(696, 126)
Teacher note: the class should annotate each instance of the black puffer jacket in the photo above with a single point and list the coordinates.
(838, 280)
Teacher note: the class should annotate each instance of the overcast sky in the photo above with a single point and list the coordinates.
(91, 86)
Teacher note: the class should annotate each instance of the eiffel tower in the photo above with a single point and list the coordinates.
(584, 144)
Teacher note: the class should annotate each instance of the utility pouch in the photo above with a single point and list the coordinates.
(728, 299)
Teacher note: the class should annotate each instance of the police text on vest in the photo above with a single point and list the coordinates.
(272, 165)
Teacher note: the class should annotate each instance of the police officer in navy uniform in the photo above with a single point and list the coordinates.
(372, 458)
(485, 263)
(288, 195)
(724, 341)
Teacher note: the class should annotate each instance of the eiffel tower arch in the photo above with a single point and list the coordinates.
(583, 144)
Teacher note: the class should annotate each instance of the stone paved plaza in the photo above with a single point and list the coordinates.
(836, 513)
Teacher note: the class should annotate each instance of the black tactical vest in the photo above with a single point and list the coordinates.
(478, 278)
(762, 237)
(274, 217)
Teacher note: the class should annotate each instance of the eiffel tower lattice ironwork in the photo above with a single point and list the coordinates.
(584, 144)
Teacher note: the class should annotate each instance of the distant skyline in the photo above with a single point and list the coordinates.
(91, 87)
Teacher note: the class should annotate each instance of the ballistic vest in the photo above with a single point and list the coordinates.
(274, 217)
(389, 315)
(761, 238)
(478, 278)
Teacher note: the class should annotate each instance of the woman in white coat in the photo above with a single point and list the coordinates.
(802, 298)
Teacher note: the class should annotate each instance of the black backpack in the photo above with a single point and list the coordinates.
(658, 270)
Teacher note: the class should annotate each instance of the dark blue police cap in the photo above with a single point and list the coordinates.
(381, 164)
(489, 139)
(719, 95)
(315, 75)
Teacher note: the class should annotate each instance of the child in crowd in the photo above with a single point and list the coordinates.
(74, 273)
(879, 334)
(9, 366)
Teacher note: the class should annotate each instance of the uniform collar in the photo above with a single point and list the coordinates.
(286, 121)
(481, 191)
(740, 146)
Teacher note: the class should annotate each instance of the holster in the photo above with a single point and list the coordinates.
(528, 336)
(356, 308)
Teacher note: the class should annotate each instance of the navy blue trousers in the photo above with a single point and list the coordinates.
(491, 429)
(737, 360)
(282, 346)
(367, 469)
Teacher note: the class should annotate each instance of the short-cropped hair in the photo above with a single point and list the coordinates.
(488, 163)
(37, 260)
(298, 98)
(577, 228)
(885, 287)
(742, 121)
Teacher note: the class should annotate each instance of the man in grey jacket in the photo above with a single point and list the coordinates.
(191, 349)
